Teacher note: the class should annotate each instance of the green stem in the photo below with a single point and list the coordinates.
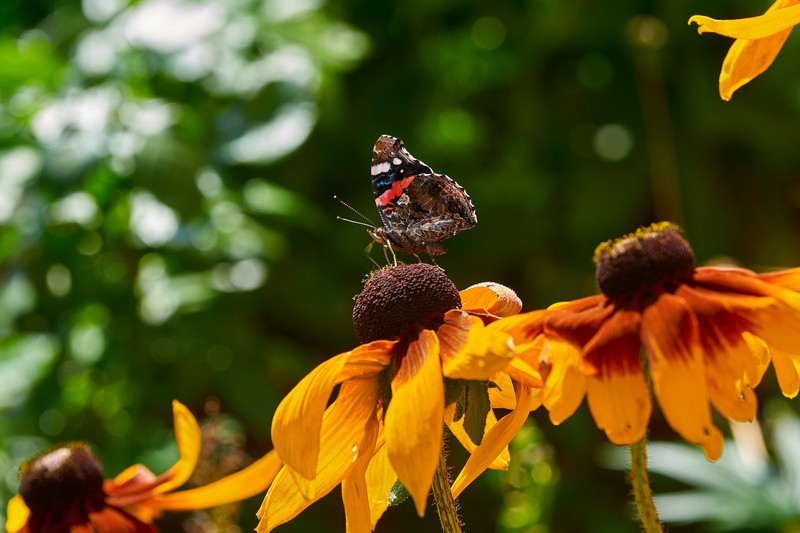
(445, 504)
(641, 488)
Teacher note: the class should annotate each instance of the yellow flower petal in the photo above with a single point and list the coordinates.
(789, 279)
(492, 298)
(297, 421)
(380, 477)
(502, 396)
(187, 435)
(16, 514)
(367, 360)
(494, 441)
(782, 15)
(566, 383)
(252, 480)
(355, 495)
(413, 422)
(345, 436)
(788, 371)
(469, 350)
(669, 331)
(457, 429)
(746, 59)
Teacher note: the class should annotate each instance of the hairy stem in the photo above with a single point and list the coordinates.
(445, 504)
(641, 488)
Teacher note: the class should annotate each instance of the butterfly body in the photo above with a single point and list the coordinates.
(418, 207)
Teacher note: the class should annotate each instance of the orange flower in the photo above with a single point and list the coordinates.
(385, 424)
(64, 491)
(699, 333)
(758, 41)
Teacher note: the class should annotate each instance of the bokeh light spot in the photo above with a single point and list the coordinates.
(613, 142)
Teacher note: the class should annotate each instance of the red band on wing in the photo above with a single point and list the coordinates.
(396, 190)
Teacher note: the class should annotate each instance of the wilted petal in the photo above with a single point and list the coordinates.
(492, 298)
(413, 424)
(494, 441)
(297, 421)
(669, 330)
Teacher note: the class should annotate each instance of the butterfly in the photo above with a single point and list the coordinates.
(418, 207)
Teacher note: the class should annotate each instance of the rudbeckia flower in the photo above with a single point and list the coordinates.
(63, 490)
(758, 41)
(693, 334)
(386, 423)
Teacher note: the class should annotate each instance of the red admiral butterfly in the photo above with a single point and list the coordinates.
(419, 208)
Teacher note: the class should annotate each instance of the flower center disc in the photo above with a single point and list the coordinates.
(650, 257)
(395, 299)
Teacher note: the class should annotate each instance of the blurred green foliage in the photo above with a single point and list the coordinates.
(167, 228)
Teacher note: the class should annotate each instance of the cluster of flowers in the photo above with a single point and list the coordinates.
(431, 356)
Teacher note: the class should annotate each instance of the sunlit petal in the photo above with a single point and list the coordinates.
(470, 350)
(252, 480)
(787, 369)
(297, 421)
(492, 298)
(523, 328)
(779, 17)
(413, 422)
(16, 514)
(457, 429)
(617, 392)
(494, 441)
(789, 279)
(355, 495)
(344, 437)
(502, 395)
(367, 360)
(566, 384)
(746, 59)
(187, 435)
(380, 477)
(669, 331)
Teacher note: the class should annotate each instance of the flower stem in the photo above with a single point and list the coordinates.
(445, 504)
(641, 488)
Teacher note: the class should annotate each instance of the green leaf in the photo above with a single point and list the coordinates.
(477, 409)
(397, 495)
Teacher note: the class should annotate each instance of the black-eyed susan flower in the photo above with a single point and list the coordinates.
(386, 423)
(758, 41)
(692, 334)
(63, 490)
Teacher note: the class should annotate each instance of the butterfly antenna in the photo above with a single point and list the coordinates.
(356, 211)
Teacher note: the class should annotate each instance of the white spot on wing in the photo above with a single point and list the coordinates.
(380, 167)
(396, 161)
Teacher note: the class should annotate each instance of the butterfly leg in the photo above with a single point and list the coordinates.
(368, 252)
(394, 257)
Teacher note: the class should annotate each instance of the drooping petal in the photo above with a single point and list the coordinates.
(470, 350)
(457, 429)
(344, 438)
(669, 331)
(494, 441)
(355, 495)
(783, 15)
(17, 514)
(491, 298)
(187, 435)
(565, 384)
(297, 421)
(524, 368)
(251, 480)
(617, 392)
(413, 423)
(523, 328)
(380, 477)
(502, 395)
(746, 59)
(787, 369)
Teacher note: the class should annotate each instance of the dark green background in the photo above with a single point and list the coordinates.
(569, 123)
